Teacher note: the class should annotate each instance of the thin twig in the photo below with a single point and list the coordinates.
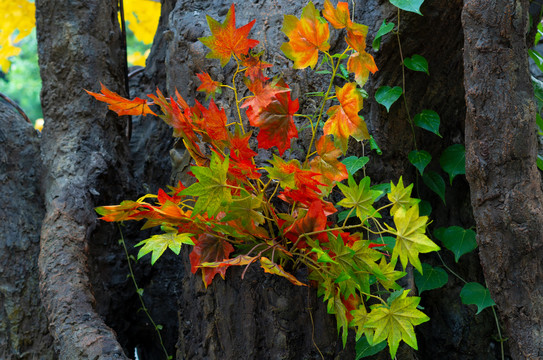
(16, 106)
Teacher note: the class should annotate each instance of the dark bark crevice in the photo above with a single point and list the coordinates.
(501, 166)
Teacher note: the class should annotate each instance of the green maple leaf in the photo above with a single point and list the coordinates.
(337, 307)
(400, 196)
(245, 208)
(211, 188)
(390, 274)
(394, 322)
(410, 237)
(360, 196)
(360, 317)
(157, 244)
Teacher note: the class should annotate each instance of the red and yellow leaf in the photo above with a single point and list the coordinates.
(264, 94)
(121, 105)
(307, 36)
(227, 40)
(276, 269)
(213, 121)
(344, 120)
(339, 17)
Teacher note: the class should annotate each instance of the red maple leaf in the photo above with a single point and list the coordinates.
(313, 220)
(254, 66)
(121, 105)
(264, 93)
(276, 121)
(227, 40)
(209, 86)
(209, 248)
(213, 121)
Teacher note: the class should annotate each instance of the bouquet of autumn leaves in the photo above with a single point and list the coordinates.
(230, 214)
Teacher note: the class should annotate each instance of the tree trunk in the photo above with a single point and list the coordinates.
(83, 149)
(501, 166)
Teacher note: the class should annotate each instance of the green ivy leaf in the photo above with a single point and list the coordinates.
(408, 5)
(420, 159)
(539, 122)
(387, 96)
(453, 160)
(353, 163)
(476, 294)
(432, 278)
(458, 240)
(425, 208)
(383, 30)
(374, 146)
(417, 63)
(435, 182)
(384, 188)
(364, 349)
(540, 162)
(428, 120)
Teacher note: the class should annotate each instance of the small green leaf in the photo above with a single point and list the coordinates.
(539, 122)
(540, 162)
(374, 146)
(476, 294)
(432, 278)
(364, 349)
(408, 5)
(537, 58)
(453, 160)
(428, 120)
(387, 96)
(435, 182)
(140, 291)
(420, 159)
(458, 240)
(417, 63)
(159, 327)
(344, 71)
(353, 163)
(383, 30)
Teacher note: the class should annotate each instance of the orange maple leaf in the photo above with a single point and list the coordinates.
(209, 86)
(307, 36)
(344, 120)
(226, 39)
(213, 121)
(361, 63)
(121, 105)
(327, 164)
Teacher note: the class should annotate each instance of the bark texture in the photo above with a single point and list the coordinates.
(23, 324)
(501, 167)
(83, 151)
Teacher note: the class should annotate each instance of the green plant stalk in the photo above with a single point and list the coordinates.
(144, 308)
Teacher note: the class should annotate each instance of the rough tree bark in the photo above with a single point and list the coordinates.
(79, 44)
(501, 166)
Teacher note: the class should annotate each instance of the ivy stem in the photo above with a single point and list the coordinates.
(403, 83)
(139, 292)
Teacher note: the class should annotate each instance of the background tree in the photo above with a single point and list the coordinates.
(88, 160)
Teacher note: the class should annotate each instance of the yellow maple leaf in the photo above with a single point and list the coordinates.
(410, 237)
(394, 322)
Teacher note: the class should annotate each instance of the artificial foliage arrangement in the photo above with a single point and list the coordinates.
(280, 215)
